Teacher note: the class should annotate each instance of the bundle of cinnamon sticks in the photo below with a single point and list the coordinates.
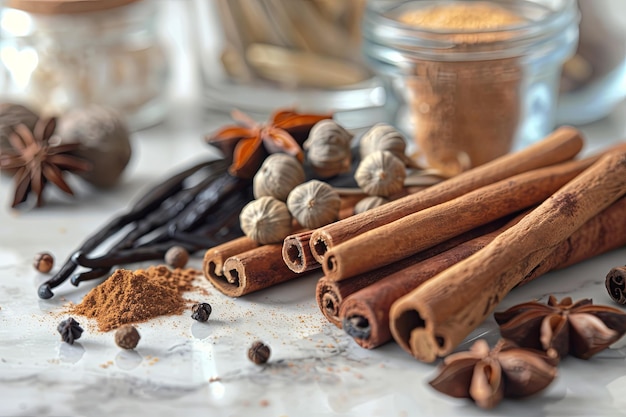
(427, 268)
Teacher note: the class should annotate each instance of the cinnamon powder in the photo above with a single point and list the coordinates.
(135, 296)
(466, 112)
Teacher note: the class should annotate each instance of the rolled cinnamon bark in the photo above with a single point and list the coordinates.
(297, 254)
(433, 319)
(253, 270)
(330, 294)
(213, 261)
(561, 145)
(426, 228)
(367, 311)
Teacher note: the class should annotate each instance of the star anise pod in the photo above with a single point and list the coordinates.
(581, 329)
(249, 142)
(34, 161)
(486, 376)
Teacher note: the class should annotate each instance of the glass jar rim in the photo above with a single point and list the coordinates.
(66, 6)
(380, 28)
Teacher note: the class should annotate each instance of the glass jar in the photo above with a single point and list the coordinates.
(468, 94)
(60, 54)
(260, 55)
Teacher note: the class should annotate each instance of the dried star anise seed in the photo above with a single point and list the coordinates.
(34, 161)
(486, 376)
(249, 142)
(70, 330)
(581, 329)
(201, 311)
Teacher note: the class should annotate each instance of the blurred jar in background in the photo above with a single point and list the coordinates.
(60, 54)
(594, 79)
(259, 55)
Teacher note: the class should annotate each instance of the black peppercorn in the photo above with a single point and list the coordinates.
(127, 337)
(70, 330)
(176, 257)
(259, 353)
(43, 262)
(201, 311)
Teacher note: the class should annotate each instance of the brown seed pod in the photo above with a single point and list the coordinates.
(104, 139)
(314, 204)
(127, 337)
(328, 148)
(279, 174)
(259, 353)
(382, 137)
(43, 262)
(380, 173)
(266, 220)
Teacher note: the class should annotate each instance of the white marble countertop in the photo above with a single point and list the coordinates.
(185, 368)
(182, 367)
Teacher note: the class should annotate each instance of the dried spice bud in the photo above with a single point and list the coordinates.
(580, 329)
(314, 204)
(70, 330)
(266, 220)
(279, 174)
(127, 337)
(201, 311)
(328, 148)
(259, 353)
(380, 173)
(176, 257)
(486, 376)
(369, 203)
(383, 137)
(43, 262)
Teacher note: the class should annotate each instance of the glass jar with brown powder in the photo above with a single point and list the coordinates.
(470, 80)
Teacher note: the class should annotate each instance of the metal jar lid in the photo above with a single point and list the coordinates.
(66, 6)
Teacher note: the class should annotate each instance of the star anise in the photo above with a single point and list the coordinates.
(486, 376)
(249, 142)
(34, 161)
(581, 329)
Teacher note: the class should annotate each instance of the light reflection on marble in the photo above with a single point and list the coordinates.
(182, 367)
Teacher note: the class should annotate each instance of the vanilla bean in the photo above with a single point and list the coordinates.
(149, 202)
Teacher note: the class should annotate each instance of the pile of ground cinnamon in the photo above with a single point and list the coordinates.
(135, 296)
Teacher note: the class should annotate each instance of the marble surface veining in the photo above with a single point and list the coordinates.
(186, 368)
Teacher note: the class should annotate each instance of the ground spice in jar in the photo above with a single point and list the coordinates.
(135, 296)
(465, 111)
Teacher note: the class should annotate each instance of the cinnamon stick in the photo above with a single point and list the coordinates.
(253, 270)
(297, 254)
(615, 283)
(330, 294)
(213, 261)
(426, 228)
(561, 145)
(433, 319)
(366, 312)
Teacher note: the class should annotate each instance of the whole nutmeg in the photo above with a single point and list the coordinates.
(314, 204)
(277, 176)
(12, 114)
(104, 141)
(176, 257)
(368, 203)
(127, 336)
(328, 148)
(382, 137)
(266, 220)
(380, 173)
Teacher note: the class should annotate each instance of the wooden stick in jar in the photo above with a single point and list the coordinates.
(561, 145)
(426, 228)
(433, 319)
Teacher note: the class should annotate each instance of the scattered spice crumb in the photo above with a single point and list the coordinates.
(264, 403)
